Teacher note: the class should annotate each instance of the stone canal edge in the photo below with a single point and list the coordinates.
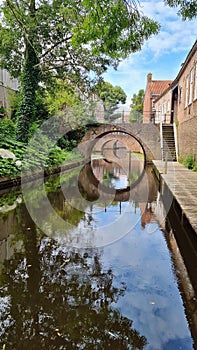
(181, 184)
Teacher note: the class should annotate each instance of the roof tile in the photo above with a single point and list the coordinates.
(158, 86)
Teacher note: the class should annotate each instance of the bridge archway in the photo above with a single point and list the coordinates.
(147, 135)
(128, 137)
(120, 145)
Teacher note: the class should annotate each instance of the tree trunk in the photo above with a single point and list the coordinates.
(29, 84)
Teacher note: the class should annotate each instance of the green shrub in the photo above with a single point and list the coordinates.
(36, 155)
(7, 129)
(190, 163)
(8, 167)
(3, 112)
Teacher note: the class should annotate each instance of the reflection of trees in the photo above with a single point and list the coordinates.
(55, 298)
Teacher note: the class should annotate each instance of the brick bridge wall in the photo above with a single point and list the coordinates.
(146, 134)
(114, 140)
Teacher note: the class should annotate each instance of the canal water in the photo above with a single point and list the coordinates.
(107, 275)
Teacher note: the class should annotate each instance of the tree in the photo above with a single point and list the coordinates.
(111, 97)
(68, 39)
(187, 9)
(137, 106)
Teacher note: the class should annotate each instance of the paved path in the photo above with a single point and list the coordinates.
(182, 182)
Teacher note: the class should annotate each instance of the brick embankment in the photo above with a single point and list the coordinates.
(182, 183)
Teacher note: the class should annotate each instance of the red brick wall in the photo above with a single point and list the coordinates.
(189, 111)
(187, 137)
(147, 106)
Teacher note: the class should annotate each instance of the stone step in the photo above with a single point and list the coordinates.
(169, 143)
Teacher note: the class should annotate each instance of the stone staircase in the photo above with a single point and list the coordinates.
(168, 142)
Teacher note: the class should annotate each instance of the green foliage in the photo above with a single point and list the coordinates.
(9, 198)
(89, 35)
(8, 168)
(7, 129)
(61, 96)
(7, 141)
(137, 106)
(72, 138)
(111, 97)
(39, 154)
(3, 112)
(67, 39)
(190, 163)
(187, 9)
(29, 85)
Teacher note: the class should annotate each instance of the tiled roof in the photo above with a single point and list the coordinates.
(158, 86)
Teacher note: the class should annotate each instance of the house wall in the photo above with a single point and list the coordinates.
(147, 105)
(163, 108)
(187, 106)
(187, 138)
(187, 92)
(183, 102)
(154, 88)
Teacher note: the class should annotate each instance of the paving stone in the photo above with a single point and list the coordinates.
(182, 182)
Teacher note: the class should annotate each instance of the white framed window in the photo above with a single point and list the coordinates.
(195, 87)
(191, 86)
(186, 91)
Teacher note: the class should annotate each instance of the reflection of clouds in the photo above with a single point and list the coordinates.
(104, 227)
(152, 298)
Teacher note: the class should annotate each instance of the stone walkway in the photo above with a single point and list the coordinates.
(182, 182)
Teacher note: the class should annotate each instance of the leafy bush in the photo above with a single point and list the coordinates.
(190, 163)
(3, 112)
(8, 168)
(36, 156)
(7, 129)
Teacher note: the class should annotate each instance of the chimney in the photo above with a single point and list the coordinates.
(149, 77)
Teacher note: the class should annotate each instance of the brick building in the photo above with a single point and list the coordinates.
(7, 87)
(182, 108)
(163, 107)
(154, 88)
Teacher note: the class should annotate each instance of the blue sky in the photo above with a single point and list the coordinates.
(161, 55)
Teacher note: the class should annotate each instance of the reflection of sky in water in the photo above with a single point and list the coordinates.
(141, 259)
(152, 299)
(120, 182)
(102, 216)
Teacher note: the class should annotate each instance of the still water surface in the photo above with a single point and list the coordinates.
(108, 282)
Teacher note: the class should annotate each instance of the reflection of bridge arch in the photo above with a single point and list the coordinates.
(147, 135)
(142, 190)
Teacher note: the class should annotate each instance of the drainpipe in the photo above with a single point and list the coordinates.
(176, 140)
(161, 138)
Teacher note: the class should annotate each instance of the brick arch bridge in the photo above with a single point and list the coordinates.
(147, 135)
(117, 142)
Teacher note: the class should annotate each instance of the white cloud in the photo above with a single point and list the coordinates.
(162, 54)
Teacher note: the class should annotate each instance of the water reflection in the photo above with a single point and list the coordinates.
(118, 173)
(121, 296)
(53, 297)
